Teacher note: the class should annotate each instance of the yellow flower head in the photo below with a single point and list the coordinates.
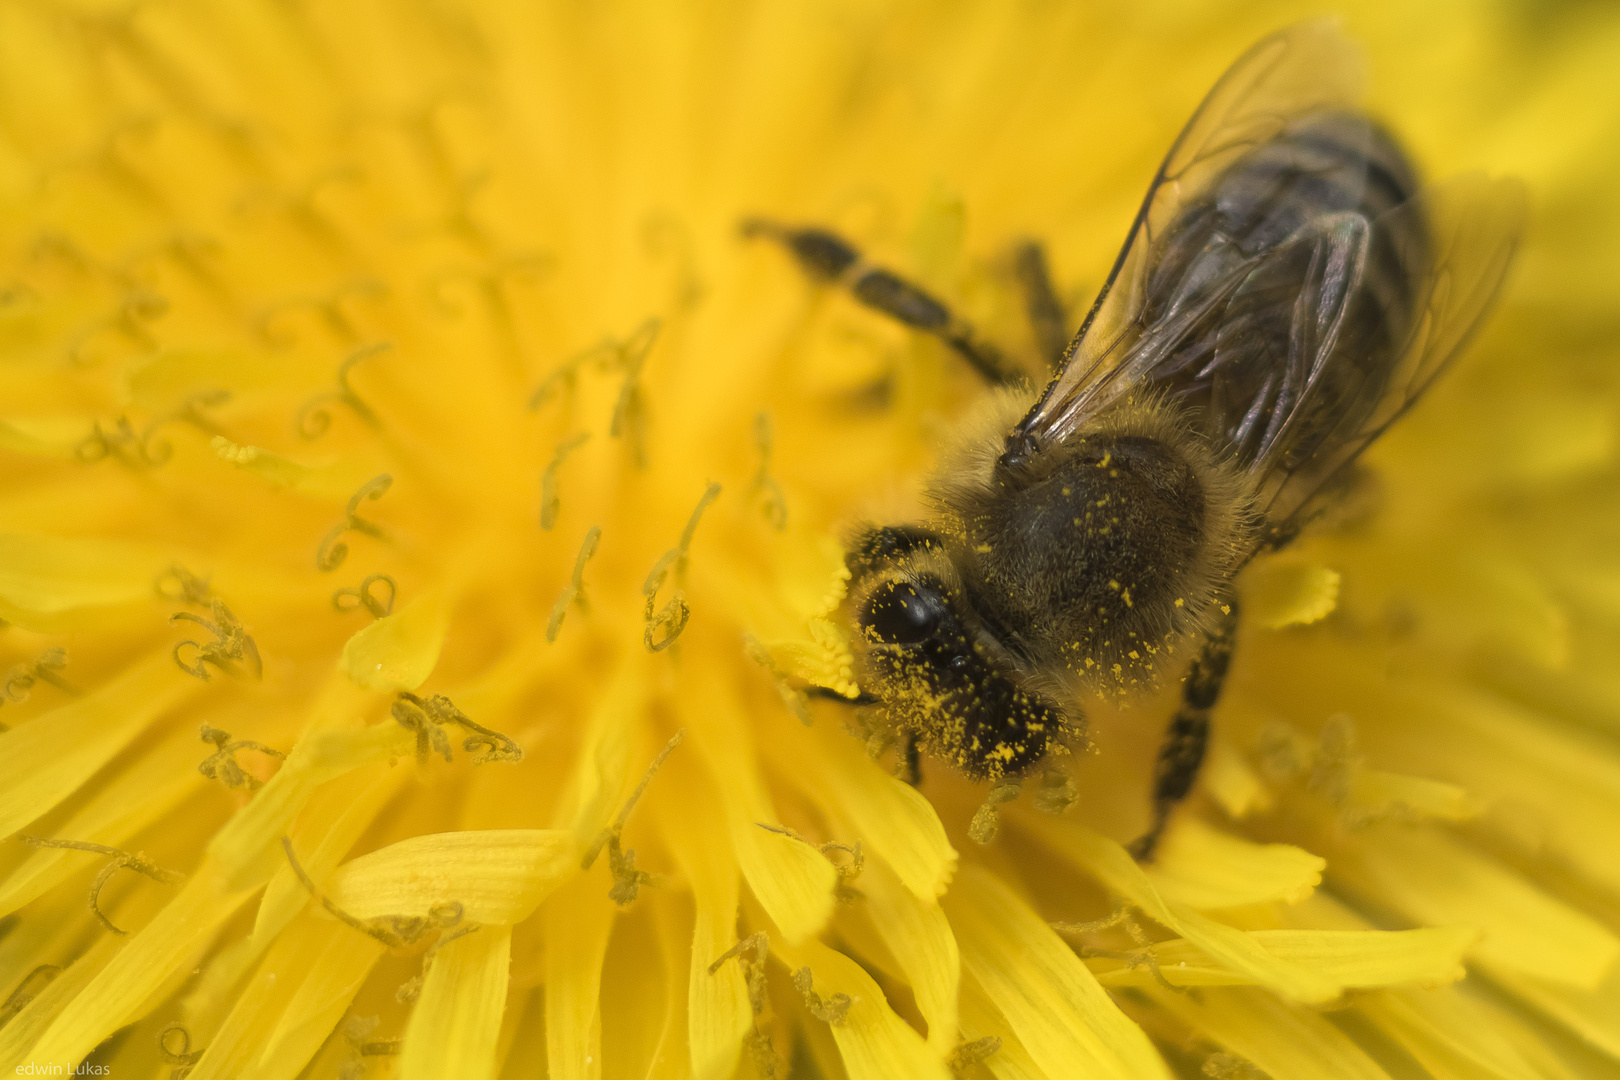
(421, 513)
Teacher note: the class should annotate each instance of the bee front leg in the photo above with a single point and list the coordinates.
(828, 257)
(1182, 751)
(1041, 304)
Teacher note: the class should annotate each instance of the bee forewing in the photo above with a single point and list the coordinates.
(1296, 71)
(1473, 224)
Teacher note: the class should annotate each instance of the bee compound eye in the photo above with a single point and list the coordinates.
(900, 613)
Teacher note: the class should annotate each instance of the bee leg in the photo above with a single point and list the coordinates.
(830, 258)
(1040, 302)
(1182, 751)
(911, 760)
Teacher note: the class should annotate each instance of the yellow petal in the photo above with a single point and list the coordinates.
(45, 760)
(718, 1012)
(1431, 878)
(579, 919)
(917, 932)
(874, 1042)
(1204, 868)
(457, 1018)
(149, 788)
(1287, 1042)
(1231, 782)
(1288, 590)
(1351, 959)
(290, 1004)
(334, 818)
(399, 651)
(1231, 947)
(1453, 1035)
(166, 947)
(496, 875)
(248, 846)
(792, 880)
(59, 583)
(1063, 1017)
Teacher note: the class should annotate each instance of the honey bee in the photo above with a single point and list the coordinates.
(1285, 293)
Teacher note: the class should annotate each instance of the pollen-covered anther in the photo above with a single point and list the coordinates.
(1057, 792)
(425, 717)
(987, 818)
(832, 1011)
(796, 700)
(550, 502)
(221, 765)
(665, 624)
(346, 600)
(314, 417)
(574, 591)
(118, 859)
(331, 552)
(627, 879)
(231, 644)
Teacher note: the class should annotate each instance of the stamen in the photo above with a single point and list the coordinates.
(666, 624)
(362, 597)
(118, 860)
(425, 717)
(20, 679)
(630, 411)
(314, 417)
(833, 1010)
(968, 1054)
(769, 493)
(32, 985)
(221, 765)
(847, 871)
(574, 591)
(1224, 1066)
(627, 880)
(356, 1030)
(331, 553)
(987, 819)
(394, 931)
(184, 1059)
(188, 587)
(1141, 956)
(231, 644)
(625, 357)
(549, 503)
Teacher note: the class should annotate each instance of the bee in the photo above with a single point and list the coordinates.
(1286, 291)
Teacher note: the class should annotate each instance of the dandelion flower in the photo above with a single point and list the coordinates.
(421, 516)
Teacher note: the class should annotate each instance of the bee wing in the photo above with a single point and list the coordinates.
(1472, 225)
(1296, 71)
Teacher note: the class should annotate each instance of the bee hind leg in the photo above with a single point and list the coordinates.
(1182, 751)
(828, 257)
